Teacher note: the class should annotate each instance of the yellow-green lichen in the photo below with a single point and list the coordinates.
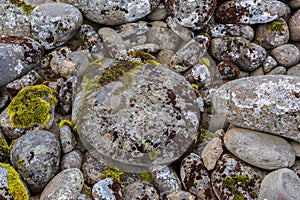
(205, 61)
(87, 191)
(233, 182)
(196, 88)
(27, 9)
(146, 176)
(204, 133)
(66, 122)
(32, 106)
(153, 154)
(4, 149)
(15, 185)
(111, 172)
(276, 26)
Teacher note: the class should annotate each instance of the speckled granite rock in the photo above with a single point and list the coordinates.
(18, 55)
(263, 103)
(53, 24)
(67, 139)
(72, 159)
(111, 12)
(92, 169)
(140, 190)
(233, 179)
(152, 100)
(180, 195)
(262, 150)
(107, 189)
(286, 55)
(36, 156)
(72, 180)
(280, 184)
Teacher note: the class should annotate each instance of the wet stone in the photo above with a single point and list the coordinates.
(36, 156)
(263, 103)
(18, 55)
(228, 70)
(249, 11)
(269, 63)
(280, 184)
(280, 70)
(107, 189)
(67, 139)
(140, 190)
(53, 24)
(294, 71)
(195, 177)
(287, 55)
(211, 153)
(233, 179)
(73, 159)
(246, 55)
(152, 100)
(294, 26)
(232, 30)
(13, 21)
(110, 12)
(272, 34)
(191, 14)
(180, 195)
(72, 180)
(92, 169)
(262, 150)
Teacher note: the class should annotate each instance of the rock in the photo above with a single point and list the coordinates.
(36, 156)
(140, 190)
(269, 63)
(53, 24)
(65, 95)
(91, 39)
(191, 14)
(11, 184)
(211, 153)
(280, 184)
(19, 55)
(183, 32)
(280, 70)
(294, 26)
(262, 150)
(246, 55)
(199, 74)
(258, 72)
(110, 12)
(228, 70)
(122, 109)
(92, 169)
(272, 34)
(67, 139)
(286, 55)
(296, 147)
(72, 159)
(195, 177)
(263, 103)
(72, 180)
(249, 11)
(159, 13)
(296, 168)
(164, 56)
(295, 4)
(107, 189)
(294, 71)
(233, 179)
(180, 195)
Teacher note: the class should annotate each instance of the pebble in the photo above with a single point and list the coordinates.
(269, 63)
(107, 189)
(159, 13)
(199, 74)
(287, 55)
(90, 38)
(195, 177)
(65, 95)
(73, 159)
(140, 190)
(53, 24)
(67, 139)
(249, 11)
(92, 169)
(294, 71)
(180, 195)
(72, 180)
(294, 26)
(36, 156)
(18, 55)
(246, 55)
(258, 72)
(183, 32)
(280, 70)
(295, 4)
(233, 179)
(280, 184)
(263, 103)
(296, 147)
(211, 153)
(262, 150)
(228, 70)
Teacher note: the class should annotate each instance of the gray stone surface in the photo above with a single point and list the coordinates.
(72, 159)
(263, 103)
(294, 27)
(140, 190)
(211, 153)
(107, 189)
(262, 150)
(286, 55)
(294, 71)
(296, 147)
(67, 139)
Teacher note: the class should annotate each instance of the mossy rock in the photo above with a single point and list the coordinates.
(32, 106)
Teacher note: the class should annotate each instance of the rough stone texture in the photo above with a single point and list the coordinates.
(65, 185)
(294, 26)
(195, 177)
(294, 4)
(228, 70)
(211, 153)
(149, 116)
(246, 55)
(262, 150)
(72, 159)
(53, 24)
(294, 71)
(225, 179)
(269, 63)
(263, 103)
(249, 11)
(140, 190)
(183, 32)
(296, 168)
(111, 12)
(90, 38)
(92, 169)
(199, 74)
(192, 14)
(159, 13)
(296, 147)
(67, 139)
(180, 195)
(36, 156)
(286, 55)
(280, 184)
(65, 95)
(18, 55)
(107, 189)
(280, 70)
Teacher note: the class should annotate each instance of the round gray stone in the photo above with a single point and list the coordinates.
(286, 55)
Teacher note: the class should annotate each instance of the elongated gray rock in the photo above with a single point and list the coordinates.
(264, 103)
(262, 150)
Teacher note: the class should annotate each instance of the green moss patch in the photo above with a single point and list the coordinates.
(146, 176)
(112, 173)
(233, 182)
(276, 26)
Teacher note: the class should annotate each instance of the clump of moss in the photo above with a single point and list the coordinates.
(114, 173)
(27, 9)
(146, 176)
(204, 133)
(15, 185)
(233, 182)
(276, 26)
(66, 122)
(32, 106)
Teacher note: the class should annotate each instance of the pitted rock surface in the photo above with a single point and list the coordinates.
(149, 116)
(111, 12)
(264, 103)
